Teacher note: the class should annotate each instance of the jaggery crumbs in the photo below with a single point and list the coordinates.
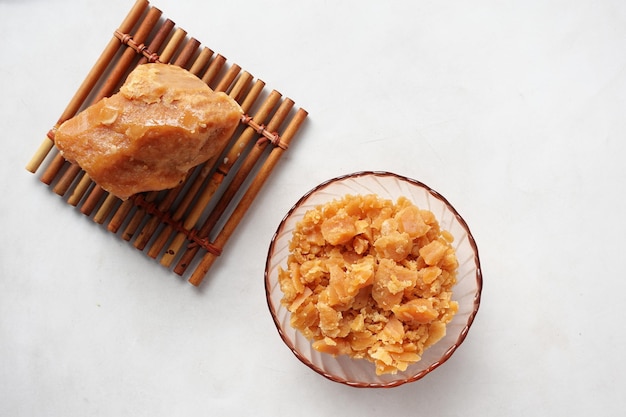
(370, 279)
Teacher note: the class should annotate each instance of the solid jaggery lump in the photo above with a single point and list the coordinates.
(372, 279)
(163, 122)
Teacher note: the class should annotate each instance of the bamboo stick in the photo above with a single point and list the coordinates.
(160, 241)
(209, 190)
(202, 60)
(133, 225)
(66, 180)
(228, 78)
(187, 53)
(177, 38)
(80, 190)
(214, 68)
(241, 86)
(207, 260)
(40, 155)
(53, 169)
(252, 96)
(120, 215)
(92, 200)
(110, 84)
(90, 81)
(105, 209)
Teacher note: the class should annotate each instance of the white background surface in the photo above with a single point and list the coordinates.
(513, 110)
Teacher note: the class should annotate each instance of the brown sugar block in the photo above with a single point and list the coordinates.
(163, 122)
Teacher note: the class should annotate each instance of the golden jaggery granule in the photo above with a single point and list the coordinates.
(370, 279)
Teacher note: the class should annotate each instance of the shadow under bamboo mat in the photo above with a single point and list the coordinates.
(184, 228)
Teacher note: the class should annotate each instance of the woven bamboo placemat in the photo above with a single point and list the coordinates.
(184, 228)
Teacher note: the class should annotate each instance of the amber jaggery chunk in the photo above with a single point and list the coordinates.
(371, 279)
(163, 122)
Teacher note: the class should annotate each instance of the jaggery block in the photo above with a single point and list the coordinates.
(163, 122)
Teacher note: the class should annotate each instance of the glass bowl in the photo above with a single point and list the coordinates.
(467, 291)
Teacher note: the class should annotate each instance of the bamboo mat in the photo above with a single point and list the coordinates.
(184, 228)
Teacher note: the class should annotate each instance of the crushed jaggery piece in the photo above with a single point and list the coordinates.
(372, 279)
(163, 122)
